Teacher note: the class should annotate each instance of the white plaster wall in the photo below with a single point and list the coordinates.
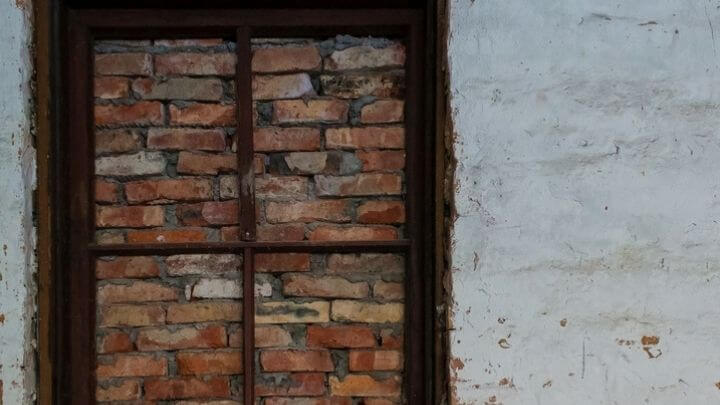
(17, 180)
(588, 195)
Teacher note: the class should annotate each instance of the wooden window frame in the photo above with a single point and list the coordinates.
(75, 356)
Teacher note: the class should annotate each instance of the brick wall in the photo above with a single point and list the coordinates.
(329, 142)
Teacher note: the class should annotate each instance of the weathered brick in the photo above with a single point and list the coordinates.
(117, 141)
(316, 110)
(184, 338)
(111, 87)
(381, 160)
(203, 114)
(196, 64)
(381, 212)
(124, 390)
(275, 139)
(108, 237)
(333, 162)
(188, 387)
(216, 362)
(129, 217)
(388, 291)
(168, 190)
(282, 187)
(138, 164)
(286, 59)
(123, 64)
(204, 311)
(296, 384)
(365, 137)
(292, 312)
(115, 342)
(217, 288)
(365, 57)
(204, 264)
(204, 402)
(131, 365)
(132, 315)
(284, 233)
(390, 339)
(380, 401)
(188, 139)
(359, 185)
(299, 285)
(209, 213)
(375, 360)
(281, 86)
(308, 211)
(356, 85)
(200, 163)
(296, 360)
(182, 88)
(174, 43)
(271, 336)
(137, 291)
(365, 263)
(350, 233)
(126, 267)
(355, 385)
(106, 192)
(382, 112)
(282, 262)
(308, 401)
(337, 337)
(355, 311)
(139, 114)
(167, 236)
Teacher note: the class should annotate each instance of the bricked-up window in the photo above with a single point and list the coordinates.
(248, 228)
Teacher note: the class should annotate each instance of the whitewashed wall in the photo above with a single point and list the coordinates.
(588, 201)
(17, 180)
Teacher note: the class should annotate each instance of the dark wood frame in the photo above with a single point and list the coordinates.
(74, 381)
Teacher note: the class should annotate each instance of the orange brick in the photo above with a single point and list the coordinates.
(190, 387)
(124, 390)
(271, 336)
(354, 385)
(381, 160)
(382, 112)
(340, 336)
(183, 338)
(131, 365)
(296, 360)
(167, 236)
(359, 185)
(286, 233)
(138, 291)
(381, 212)
(141, 113)
(300, 285)
(161, 191)
(200, 163)
(351, 233)
(111, 87)
(275, 139)
(390, 339)
(223, 115)
(316, 110)
(296, 384)
(388, 291)
(126, 267)
(129, 217)
(194, 64)
(273, 87)
(365, 263)
(286, 59)
(375, 360)
(281, 187)
(209, 213)
(127, 64)
(106, 192)
(117, 141)
(115, 342)
(215, 362)
(282, 262)
(187, 139)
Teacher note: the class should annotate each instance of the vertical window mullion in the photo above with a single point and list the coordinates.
(248, 326)
(244, 135)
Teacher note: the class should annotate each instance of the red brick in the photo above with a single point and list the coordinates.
(189, 387)
(276, 139)
(308, 211)
(382, 112)
(215, 362)
(381, 212)
(115, 342)
(111, 87)
(137, 291)
(365, 263)
(336, 233)
(184, 338)
(309, 401)
(296, 360)
(140, 113)
(281, 86)
(163, 191)
(126, 267)
(364, 57)
(204, 311)
(286, 233)
(316, 110)
(365, 137)
(286, 59)
(281, 187)
(203, 64)
(338, 337)
(167, 236)
(197, 163)
(117, 141)
(126, 64)
(129, 217)
(106, 192)
(388, 291)
(132, 315)
(296, 384)
(359, 185)
(389, 339)
(300, 285)
(281, 262)
(209, 213)
(131, 365)
(124, 390)
(381, 160)
(355, 385)
(203, 114)
(179, 88)
(188, 139)
(375, 360)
